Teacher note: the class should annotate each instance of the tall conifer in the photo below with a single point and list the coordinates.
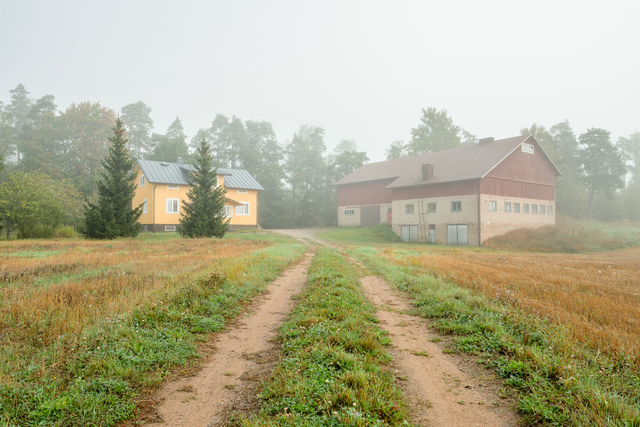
(112, 215)
(203, 213)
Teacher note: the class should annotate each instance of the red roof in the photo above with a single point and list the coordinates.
(456, 164)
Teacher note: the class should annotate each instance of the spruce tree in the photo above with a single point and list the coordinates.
(112, 214)
(203, 214)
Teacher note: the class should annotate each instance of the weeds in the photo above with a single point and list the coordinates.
(90, 326)
(560, 381)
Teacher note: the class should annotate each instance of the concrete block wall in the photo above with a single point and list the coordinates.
(500, 222)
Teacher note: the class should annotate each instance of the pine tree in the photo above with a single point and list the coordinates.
(203, 214)
(112, 215)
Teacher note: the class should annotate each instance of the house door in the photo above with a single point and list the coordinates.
(369, 216)
(457, 235)
(409, 233)
(432, 233)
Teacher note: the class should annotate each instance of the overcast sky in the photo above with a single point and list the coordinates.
(361, 70)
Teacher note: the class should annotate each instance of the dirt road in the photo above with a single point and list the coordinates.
(441, 393)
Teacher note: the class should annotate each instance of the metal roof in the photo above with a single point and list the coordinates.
(456, 164)
(178, 174)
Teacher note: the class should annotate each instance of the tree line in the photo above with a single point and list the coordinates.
(599, 178)
(63, 151)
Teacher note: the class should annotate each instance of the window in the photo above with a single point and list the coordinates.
(173, 187)
(527, 148)
(534, 209)
(507, 206)
(169, 228)
(349, 211)
(242, 191)
(144, 206)
(525, 208)
(408, 209)
(431, 208)
(228, 211)
(142, 181)
(550, 210)
(242, 210)
(389, 209)
(542, 209)
(173, 206)
(516, 208)
(493, 206)
(456, 206)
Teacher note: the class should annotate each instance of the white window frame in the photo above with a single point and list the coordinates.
(169, 228)
(550, 210)
(409, 209)
(507, 206)
(527, 148)
(525, 208)
(534, 208)
(143, 181)
(177, 206)
(228, 211)
(516, 208)
(145, 205)
(493, 206)
(242, 191)
(348, 212)
(432, 207)
(173, 187)
(245, 209)
(457, 203)
(543, 209)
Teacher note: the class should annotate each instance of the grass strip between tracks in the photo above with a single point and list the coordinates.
(97, 377)
(334, 370)
(559, 382)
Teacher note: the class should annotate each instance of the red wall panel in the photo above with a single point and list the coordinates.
(527, 167)
(463, 188)
(364, 193)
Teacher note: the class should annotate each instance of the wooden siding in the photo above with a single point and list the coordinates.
(464, 188)
(365, 193)
(526, 167)
(511, 188)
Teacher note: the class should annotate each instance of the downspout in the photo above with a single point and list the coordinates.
(479, 217)
(154, 208)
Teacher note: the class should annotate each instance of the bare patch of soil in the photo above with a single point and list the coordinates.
(443, 389)
(243, 355)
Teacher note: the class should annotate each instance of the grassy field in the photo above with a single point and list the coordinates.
(86, 327)
(335, 365)
(561, 329)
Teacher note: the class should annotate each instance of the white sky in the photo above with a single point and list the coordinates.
(361, 70)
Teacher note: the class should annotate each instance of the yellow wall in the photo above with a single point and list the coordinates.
(162, 193)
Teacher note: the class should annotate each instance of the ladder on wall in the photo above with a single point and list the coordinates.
(423, 230)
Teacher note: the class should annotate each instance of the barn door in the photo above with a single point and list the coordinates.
(409, 233)
(369, 216)
(457, 235)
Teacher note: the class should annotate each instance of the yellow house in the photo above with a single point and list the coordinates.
(162, 188)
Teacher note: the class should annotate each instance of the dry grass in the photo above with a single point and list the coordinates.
(57, 288)
(596, 296)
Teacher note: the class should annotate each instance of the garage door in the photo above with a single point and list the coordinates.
(409, 233)
(369, 216)
(457, 234)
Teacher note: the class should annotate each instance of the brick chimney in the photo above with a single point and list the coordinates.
(486, 140)
(180, 161)
(427, 171)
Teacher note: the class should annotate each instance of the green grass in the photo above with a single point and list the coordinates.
(99, 376)
(378, 234)
(334, 370)
(559, 382)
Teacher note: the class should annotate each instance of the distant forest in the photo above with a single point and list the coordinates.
(65, 149)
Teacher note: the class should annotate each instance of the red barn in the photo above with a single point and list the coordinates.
(460, 196)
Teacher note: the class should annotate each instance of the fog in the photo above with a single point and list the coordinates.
(361, 70)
